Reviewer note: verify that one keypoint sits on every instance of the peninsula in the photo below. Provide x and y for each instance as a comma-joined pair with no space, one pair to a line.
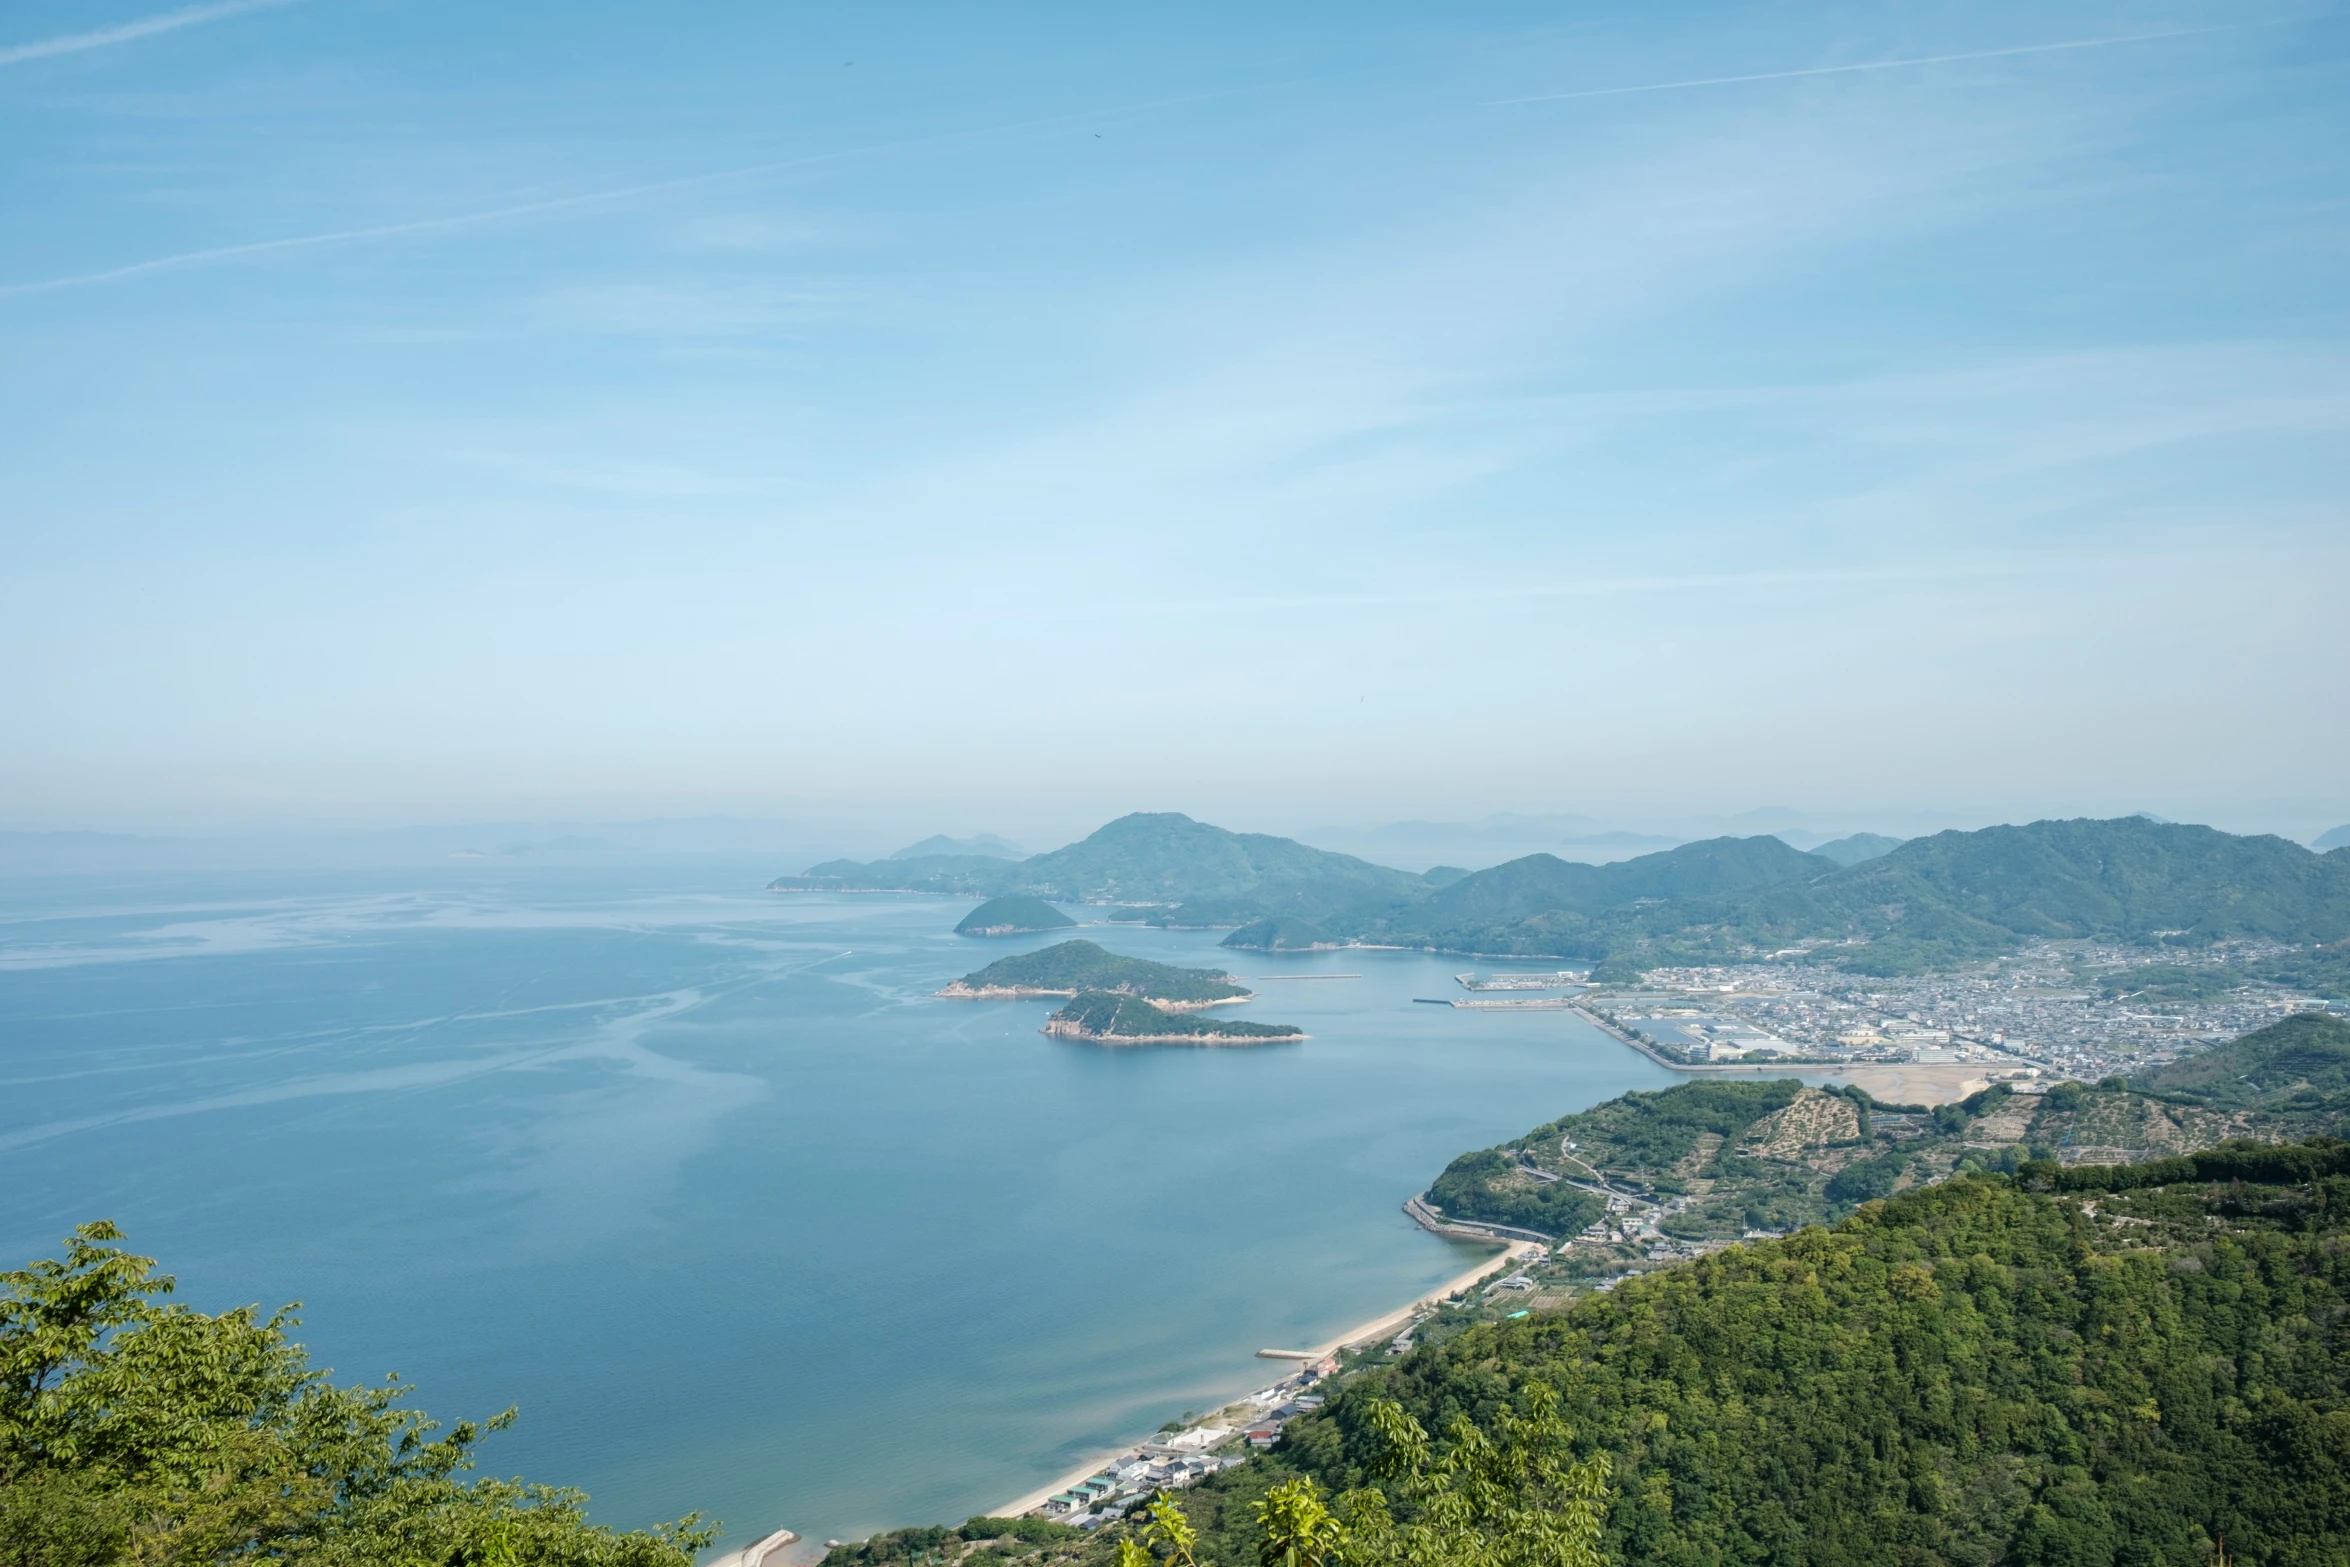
1108,1017
1074,967
1017,915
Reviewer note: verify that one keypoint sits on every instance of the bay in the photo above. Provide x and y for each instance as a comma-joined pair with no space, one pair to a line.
708,1183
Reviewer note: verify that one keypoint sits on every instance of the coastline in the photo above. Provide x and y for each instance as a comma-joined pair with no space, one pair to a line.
1385,1326
958,991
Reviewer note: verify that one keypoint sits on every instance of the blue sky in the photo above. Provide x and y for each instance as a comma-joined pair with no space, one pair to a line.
1005,417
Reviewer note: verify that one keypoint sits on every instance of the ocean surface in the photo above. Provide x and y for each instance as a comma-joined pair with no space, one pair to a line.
707,1182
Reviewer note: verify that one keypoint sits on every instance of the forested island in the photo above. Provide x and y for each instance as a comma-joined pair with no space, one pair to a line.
1072,967
1106,1017
1013,915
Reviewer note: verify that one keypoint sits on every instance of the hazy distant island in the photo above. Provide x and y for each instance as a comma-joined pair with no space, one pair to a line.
1075,967
1016,915
1281,933
1109,1017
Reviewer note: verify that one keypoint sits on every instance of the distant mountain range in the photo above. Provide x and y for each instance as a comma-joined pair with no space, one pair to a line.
1929,902
1952,897
1490,840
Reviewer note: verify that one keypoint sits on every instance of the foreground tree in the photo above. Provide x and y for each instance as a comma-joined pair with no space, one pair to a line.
135,1433
1516,1498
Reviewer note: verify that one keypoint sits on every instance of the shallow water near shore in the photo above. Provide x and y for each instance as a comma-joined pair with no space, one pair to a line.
707,1182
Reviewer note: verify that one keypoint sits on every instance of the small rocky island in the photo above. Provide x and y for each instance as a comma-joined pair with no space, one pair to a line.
1108,1017
1074,967
1013,916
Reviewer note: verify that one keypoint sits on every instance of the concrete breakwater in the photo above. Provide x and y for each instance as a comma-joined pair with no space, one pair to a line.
1428,1217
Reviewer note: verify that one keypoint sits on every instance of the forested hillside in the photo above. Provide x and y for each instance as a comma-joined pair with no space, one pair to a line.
1719,1156
2303,1060
1970,1373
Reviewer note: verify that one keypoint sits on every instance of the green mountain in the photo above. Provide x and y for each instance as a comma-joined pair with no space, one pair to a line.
1860,846
1073,967
1168,857
1017,915
2115,879
1541,884
1542,904
1113,1017
2291,1062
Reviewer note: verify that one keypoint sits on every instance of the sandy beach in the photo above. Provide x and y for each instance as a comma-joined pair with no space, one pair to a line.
1363,1332
1386,1326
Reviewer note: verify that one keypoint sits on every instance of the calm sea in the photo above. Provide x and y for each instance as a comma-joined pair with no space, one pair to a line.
706,1182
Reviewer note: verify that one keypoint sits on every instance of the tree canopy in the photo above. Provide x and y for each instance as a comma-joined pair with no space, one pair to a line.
136,1432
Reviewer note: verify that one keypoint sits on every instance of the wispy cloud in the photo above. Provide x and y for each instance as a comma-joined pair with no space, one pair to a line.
125,32
1890,65
464,220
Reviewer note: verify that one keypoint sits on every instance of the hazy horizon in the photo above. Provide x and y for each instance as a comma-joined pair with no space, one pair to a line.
786,846
920,421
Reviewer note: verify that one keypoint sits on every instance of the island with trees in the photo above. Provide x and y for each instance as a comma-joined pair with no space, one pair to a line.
1014,915
1108,1017
1072,967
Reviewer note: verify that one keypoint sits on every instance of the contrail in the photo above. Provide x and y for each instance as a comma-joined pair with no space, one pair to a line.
1887,65
124,32
261,247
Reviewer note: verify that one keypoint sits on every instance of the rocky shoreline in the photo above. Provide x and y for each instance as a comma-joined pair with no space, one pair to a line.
958,991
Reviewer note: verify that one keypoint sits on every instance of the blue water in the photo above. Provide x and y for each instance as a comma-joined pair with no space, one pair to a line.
707,1183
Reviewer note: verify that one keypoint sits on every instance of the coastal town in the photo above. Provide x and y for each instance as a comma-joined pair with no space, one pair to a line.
2057,1010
